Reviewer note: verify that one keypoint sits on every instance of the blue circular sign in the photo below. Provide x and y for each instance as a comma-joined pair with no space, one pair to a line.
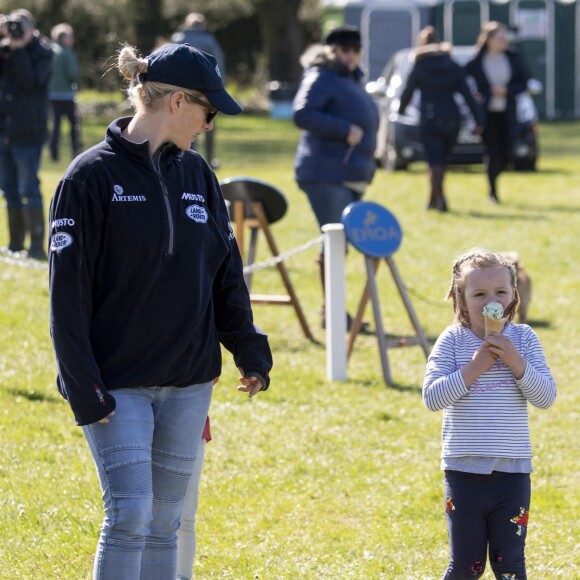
372,229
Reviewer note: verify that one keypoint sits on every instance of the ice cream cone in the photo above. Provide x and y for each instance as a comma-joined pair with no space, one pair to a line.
493,324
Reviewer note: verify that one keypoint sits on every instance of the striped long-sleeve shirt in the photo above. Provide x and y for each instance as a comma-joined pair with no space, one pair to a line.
489,419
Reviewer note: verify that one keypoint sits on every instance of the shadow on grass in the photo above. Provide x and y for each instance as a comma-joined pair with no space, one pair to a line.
554,208
401,387
541,215
403,339
539,323
404,388
546,171
32,395
472,169
386,417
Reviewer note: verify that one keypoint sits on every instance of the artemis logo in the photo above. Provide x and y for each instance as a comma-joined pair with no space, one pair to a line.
118,195
196,213
193,197
60,241
128,197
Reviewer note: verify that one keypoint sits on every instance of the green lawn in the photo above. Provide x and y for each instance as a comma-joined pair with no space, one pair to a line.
316,479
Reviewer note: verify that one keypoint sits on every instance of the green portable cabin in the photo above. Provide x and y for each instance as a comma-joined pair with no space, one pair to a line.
545,31
386,26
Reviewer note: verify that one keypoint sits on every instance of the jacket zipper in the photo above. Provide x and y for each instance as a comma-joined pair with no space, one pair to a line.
157,167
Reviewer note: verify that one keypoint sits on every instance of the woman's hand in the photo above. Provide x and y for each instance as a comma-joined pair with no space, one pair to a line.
106,419
355,135
251,385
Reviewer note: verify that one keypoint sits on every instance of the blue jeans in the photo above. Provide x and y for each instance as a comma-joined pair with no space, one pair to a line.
487,513
144,458
328,200
19,165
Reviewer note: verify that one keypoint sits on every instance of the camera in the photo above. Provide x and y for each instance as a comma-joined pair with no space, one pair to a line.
14,28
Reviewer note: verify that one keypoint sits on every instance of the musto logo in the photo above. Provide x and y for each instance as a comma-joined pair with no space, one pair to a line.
196,213
60,241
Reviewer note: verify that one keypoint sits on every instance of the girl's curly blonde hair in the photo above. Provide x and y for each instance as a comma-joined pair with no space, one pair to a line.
474,259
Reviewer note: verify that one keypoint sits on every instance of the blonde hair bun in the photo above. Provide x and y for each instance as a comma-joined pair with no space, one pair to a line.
130,64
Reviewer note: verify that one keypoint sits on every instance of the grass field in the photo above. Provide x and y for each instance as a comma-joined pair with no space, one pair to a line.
316,479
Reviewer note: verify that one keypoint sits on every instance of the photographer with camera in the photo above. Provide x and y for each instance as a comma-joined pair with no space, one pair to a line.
25,68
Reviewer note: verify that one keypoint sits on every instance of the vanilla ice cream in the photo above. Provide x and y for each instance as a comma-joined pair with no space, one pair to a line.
493,310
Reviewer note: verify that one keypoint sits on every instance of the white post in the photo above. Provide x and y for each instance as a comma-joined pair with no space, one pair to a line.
335,295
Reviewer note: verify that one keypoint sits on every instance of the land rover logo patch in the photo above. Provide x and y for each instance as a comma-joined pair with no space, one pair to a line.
196,213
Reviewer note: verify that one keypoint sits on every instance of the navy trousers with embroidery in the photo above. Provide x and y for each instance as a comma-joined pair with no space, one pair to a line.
487,513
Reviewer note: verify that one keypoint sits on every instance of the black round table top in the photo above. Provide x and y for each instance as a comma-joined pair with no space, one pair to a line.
248,190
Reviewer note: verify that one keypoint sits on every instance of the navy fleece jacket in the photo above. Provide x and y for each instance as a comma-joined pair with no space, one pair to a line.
328,102
145,276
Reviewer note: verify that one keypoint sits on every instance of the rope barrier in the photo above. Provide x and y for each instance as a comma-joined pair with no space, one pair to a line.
281,257
14,260
425,299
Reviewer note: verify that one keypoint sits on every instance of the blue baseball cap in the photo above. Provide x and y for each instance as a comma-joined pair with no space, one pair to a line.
184,66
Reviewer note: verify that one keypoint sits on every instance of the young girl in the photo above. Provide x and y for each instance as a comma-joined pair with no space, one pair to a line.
483,384
186,537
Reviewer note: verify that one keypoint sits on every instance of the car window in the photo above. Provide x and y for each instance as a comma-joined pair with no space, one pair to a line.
398,69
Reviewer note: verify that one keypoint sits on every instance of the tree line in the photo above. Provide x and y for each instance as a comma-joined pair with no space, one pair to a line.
262,39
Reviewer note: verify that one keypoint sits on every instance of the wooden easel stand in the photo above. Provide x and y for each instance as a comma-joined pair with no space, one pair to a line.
371,291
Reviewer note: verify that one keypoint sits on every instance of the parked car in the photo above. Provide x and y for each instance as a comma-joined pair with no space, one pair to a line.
398,139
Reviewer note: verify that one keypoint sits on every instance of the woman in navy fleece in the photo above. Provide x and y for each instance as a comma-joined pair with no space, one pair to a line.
438,78
146,284
335,157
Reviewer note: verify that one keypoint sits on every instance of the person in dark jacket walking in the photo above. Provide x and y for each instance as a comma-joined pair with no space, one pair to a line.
25,66
63,88
439,78
334,160
146,282
500,75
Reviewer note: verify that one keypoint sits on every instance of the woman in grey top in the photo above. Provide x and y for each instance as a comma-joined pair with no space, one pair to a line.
500,75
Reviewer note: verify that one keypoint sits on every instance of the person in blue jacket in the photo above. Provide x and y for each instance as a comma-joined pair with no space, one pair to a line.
500,75
334,160
438,77
146,283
